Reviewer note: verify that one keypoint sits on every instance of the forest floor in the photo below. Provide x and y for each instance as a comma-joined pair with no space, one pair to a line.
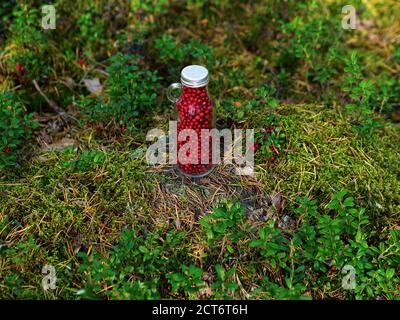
76,192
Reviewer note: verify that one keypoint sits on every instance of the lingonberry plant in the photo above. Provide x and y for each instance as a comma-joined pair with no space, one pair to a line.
284,264
93,28
143,259
270,139
15,128
29,48
306,42
132,92
175,54
238,109
85,161
149,7
361,92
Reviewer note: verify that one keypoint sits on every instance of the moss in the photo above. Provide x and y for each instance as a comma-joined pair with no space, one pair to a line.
62,210
324,155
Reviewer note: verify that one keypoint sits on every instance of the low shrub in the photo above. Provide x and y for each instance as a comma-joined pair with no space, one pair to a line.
15,128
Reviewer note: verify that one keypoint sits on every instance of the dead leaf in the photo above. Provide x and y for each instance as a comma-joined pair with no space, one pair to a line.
93,85
60,145
276,200
69,82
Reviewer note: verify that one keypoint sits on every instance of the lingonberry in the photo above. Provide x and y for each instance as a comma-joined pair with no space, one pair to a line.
19,67
7,149
255,146
272,158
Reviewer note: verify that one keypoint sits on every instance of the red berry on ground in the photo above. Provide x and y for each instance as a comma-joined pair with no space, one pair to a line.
272,158
273,127
123,128
19,67
237,103
7,149
82,61
255,146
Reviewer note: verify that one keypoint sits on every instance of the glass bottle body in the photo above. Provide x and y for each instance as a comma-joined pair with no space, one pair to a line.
195,111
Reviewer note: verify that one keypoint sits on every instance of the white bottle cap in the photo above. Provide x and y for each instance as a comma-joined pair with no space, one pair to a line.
194,76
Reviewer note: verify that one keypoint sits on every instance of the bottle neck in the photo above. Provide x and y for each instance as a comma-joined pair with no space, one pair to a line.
194,90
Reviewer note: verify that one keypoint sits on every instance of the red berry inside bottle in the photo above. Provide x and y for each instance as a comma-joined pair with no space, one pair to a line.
195,112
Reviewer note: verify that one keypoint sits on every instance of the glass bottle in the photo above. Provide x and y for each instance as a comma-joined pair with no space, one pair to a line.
194,110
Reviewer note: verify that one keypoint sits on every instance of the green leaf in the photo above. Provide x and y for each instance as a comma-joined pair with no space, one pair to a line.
348,202
220,272
334,204
143,249
390,273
